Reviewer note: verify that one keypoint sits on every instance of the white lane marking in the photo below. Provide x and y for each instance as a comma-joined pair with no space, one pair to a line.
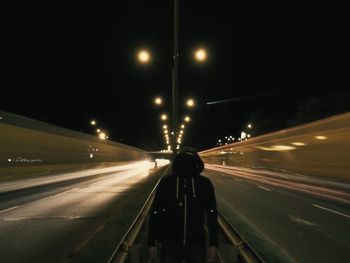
8,209
264,188
331,210
301,221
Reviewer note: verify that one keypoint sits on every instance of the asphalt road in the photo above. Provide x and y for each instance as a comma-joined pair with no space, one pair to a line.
79,219
281,224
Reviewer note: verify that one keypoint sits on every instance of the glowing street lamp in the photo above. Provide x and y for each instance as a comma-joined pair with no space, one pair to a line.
158,101
102,136
190,103
98,130
143,56
182,126
249,126
164,117
93,122
200,55
187,119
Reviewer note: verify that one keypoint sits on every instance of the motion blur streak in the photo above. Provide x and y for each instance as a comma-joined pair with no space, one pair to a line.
304,184
104,190
24,183
320,149
84,217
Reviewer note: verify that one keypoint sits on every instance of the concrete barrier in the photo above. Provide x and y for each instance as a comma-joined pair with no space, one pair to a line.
27,142
320,148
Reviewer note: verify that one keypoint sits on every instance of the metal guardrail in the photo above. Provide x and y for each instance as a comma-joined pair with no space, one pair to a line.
245,252
121,252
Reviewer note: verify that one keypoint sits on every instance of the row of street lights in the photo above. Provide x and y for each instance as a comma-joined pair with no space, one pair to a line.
144,57
189,102
169,136
102,135
244,135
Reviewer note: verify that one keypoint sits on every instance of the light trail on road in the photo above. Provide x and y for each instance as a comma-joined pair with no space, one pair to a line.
85,218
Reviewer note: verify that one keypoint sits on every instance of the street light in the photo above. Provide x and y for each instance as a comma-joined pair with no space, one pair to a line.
98,130
102,136
187,119
93,122
164,117
200,55
190,103
158,101
144,56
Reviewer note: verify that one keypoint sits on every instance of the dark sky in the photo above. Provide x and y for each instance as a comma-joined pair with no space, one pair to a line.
66,63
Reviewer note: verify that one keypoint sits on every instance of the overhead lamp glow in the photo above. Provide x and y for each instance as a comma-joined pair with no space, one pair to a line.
190,103
187,119
164,117
102,136
158,101
144,56
200,55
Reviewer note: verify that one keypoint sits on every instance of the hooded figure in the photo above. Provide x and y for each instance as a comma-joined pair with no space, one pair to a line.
184,203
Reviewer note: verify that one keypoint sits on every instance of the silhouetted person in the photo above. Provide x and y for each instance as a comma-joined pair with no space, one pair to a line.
184,201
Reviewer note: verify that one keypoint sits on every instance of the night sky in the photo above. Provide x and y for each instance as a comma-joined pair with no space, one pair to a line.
67,63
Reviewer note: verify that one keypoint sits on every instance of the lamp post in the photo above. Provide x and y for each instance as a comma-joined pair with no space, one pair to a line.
144,57
175,68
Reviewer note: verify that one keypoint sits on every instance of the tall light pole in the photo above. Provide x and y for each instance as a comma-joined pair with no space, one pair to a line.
175,69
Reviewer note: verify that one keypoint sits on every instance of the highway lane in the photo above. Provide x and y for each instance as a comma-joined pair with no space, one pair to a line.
281,224
80,221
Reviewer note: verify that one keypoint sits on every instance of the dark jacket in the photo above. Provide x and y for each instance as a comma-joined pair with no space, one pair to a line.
184,201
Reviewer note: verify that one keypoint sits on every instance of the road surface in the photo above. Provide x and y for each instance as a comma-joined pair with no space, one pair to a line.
80,219
284,225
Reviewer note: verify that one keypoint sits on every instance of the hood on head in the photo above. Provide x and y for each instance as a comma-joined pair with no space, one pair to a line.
187,163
